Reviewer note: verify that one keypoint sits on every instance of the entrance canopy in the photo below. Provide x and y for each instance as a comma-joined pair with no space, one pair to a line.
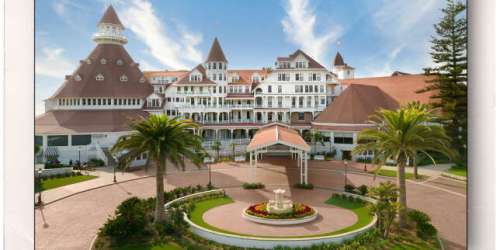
277,134
282,139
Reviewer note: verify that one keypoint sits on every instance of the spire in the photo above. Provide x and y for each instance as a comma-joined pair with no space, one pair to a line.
338,61
216,54
111,17
110,29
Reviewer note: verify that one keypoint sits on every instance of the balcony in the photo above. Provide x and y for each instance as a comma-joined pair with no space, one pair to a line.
195,93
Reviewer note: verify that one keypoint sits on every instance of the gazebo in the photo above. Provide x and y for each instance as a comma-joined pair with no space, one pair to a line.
279,138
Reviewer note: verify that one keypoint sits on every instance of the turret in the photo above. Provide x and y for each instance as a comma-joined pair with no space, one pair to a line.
342,69
216,63
110,29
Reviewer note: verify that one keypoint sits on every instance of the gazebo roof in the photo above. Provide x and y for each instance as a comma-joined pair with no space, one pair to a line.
277,134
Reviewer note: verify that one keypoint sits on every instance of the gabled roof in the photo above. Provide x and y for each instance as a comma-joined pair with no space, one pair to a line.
186,79
355,105
338,61
116,62
216,54
86,121
313,64
277,134
401,87
110,16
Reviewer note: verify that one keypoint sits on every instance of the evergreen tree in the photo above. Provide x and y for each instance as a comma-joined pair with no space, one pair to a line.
449,87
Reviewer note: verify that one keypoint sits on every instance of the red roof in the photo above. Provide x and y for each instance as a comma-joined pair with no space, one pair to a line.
216,54
277,134
338,61
85,121
112,62
110,16
165,73
401,87
187,80
313,64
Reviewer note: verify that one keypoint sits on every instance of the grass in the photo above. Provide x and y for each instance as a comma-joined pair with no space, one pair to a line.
59,182
393,173
460,171
360,209
162,246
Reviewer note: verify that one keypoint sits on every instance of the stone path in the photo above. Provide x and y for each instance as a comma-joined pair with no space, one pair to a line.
72,223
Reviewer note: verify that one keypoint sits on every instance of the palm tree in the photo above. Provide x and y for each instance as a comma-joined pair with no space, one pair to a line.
397,135
216,145
162,139
315,138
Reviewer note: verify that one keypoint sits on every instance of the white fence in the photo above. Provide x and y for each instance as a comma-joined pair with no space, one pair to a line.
55,171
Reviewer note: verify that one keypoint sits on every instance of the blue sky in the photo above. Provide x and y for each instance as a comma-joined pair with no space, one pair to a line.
376,37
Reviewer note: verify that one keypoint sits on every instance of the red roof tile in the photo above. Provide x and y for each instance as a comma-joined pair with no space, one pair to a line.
110,16
216,54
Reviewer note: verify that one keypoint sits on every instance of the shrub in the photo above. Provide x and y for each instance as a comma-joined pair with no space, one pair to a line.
304,186
349,188
362,190
130,220
253,185
94,162
418,216
426,230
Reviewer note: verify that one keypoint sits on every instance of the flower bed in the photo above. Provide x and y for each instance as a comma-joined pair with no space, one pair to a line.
299,211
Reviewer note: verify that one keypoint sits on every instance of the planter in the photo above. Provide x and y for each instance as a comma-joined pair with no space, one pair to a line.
278,222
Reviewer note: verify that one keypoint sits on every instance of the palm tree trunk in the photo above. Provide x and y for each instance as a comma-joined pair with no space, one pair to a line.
415,168
402,192
160,190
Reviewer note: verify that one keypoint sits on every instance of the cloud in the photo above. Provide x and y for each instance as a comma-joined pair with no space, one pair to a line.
70,12
175,48
52,63
300,27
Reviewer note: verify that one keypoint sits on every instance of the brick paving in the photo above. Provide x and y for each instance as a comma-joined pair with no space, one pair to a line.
74,221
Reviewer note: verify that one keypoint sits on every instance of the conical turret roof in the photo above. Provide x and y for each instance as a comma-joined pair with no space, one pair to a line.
216,54
338,61
110,16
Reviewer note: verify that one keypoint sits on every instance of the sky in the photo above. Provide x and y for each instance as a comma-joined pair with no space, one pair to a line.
376,37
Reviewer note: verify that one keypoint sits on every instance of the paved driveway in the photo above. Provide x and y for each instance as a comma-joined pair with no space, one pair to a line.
73,222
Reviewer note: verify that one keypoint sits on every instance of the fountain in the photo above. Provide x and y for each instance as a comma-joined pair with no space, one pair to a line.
280,211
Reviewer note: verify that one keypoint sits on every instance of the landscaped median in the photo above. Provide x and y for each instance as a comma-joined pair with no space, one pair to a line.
56,181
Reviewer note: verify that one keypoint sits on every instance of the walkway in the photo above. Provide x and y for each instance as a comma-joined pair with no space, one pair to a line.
73,222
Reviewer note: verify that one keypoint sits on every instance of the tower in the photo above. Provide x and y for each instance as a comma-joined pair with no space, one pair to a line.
110,29
216,63
342,69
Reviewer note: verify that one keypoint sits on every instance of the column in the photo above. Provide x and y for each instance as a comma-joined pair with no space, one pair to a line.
301,170
306,170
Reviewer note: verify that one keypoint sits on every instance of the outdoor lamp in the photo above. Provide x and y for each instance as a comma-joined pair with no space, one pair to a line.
39,202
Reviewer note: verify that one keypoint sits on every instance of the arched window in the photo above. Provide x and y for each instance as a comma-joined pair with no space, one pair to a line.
142,79
99,77
119,62
78,78
103,61
123,78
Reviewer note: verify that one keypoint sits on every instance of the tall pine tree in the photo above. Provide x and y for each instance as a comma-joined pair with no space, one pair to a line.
449,86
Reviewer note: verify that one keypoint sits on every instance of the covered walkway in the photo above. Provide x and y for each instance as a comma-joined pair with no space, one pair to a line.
279,138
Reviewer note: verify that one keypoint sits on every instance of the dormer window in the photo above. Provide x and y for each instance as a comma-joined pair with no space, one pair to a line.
119,62
142,79
300,64
103,61
88,61
123,78
195,78
99,77
78,78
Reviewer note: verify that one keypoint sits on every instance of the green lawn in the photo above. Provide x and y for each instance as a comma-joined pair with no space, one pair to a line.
393,173
59,182
166,246
361,210
460,171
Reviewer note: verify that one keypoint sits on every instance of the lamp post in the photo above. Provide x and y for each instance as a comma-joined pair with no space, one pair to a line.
365,161
114,173
209,175
345,172
39,182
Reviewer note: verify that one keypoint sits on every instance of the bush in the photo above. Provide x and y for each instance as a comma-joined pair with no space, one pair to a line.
304,186
418,216
426,230
362,190
95,162
349,188
253,185
130,220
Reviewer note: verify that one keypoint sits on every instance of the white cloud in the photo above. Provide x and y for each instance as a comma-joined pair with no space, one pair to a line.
51,62
70,12
175,48
300,27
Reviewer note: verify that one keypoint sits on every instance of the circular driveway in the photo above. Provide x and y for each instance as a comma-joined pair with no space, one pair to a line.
72,223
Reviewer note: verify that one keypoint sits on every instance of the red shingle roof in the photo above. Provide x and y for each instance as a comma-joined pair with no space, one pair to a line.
110,16
85,121
338,61
277,134
105,60
186,79
313,64
355,105
216,54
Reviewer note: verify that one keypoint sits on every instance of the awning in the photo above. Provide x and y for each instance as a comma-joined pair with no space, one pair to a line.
277,134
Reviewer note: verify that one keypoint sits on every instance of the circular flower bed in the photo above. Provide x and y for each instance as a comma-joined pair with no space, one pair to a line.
299,211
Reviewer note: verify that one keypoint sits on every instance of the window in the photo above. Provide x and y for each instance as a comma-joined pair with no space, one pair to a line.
94,102
299,77
343,138
323,101
103,61
321,89
269,89
301,116
38,140
300,64
83,102
142,79
293,102
77,140
78,78
269,101
57,140
98,101
283,77
316,89
280,101
279,89
220,65
99,77
119,62
123,78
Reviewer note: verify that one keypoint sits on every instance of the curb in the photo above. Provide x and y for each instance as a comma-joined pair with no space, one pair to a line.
455,177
